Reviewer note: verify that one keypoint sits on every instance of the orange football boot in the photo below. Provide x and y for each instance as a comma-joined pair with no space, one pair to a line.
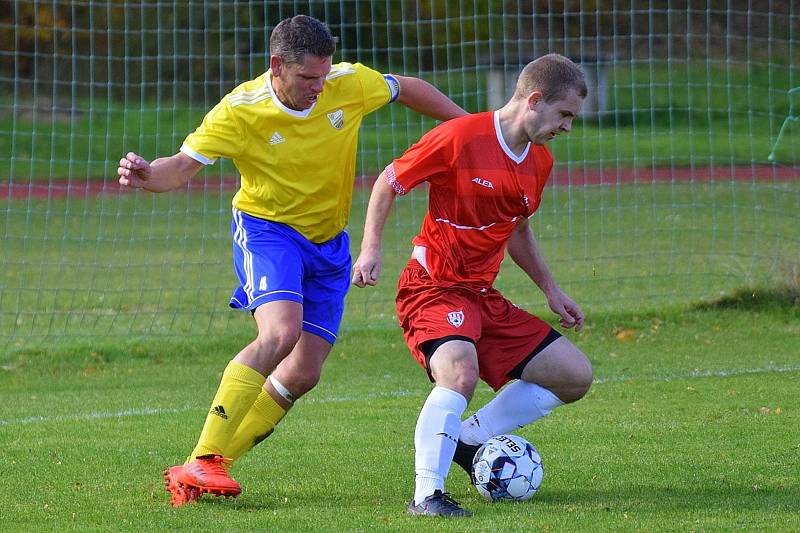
204,475
180,494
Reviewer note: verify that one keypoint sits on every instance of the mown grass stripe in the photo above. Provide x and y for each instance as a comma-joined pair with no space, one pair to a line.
145,411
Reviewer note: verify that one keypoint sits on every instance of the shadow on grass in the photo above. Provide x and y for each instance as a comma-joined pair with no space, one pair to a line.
637,498
732,498
755,299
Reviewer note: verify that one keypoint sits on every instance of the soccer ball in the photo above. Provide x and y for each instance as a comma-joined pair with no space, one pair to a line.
507,467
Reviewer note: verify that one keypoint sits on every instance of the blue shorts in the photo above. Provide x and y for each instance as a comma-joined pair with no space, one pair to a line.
275,262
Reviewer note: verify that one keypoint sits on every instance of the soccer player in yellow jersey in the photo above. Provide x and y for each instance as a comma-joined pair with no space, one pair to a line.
292,134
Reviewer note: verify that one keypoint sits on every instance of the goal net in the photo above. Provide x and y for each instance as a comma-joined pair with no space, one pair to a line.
678,184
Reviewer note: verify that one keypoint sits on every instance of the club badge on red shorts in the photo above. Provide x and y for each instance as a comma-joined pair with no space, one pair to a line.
456,318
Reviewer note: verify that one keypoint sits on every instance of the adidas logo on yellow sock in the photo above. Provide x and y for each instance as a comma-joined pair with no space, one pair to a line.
220,412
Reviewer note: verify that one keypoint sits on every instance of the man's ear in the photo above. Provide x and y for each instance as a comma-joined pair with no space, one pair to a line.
275,65
534,98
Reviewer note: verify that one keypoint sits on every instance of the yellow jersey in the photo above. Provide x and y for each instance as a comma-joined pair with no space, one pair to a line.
297,167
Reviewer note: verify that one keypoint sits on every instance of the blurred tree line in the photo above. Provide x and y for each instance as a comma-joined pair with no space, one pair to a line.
168,50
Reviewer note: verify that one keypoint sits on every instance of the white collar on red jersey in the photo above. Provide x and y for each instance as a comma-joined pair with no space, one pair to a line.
514,157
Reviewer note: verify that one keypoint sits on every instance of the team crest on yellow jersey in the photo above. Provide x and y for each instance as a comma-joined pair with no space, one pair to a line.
337,119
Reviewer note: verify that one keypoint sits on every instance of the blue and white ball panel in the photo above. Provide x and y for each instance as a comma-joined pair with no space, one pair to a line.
275,262
507,467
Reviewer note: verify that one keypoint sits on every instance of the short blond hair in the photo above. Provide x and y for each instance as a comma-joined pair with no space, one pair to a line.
553,75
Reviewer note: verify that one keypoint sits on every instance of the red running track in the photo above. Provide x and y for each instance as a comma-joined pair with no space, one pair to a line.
575,177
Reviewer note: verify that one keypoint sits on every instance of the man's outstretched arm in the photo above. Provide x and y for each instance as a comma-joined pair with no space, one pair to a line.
163,174
422,97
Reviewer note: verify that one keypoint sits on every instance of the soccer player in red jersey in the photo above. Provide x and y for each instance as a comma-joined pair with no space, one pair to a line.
485,174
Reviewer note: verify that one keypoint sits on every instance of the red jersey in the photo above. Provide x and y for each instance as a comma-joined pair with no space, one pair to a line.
478,192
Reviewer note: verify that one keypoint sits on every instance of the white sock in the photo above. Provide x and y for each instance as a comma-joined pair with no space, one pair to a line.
516,406
435,440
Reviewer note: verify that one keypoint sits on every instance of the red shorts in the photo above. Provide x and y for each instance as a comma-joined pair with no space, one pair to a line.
505,336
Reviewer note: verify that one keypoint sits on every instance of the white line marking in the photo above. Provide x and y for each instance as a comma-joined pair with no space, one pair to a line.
702,374
402,393
96,415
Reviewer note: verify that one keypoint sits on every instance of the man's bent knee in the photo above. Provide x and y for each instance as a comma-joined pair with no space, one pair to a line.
561,368
301,370
268,349
579,380
454,365
279,328
279,340
299,380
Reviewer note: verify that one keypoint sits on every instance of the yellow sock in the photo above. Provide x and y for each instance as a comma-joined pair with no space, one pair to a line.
257,425
237,391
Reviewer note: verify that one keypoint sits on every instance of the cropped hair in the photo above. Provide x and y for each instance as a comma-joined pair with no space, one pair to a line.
297,36
553,75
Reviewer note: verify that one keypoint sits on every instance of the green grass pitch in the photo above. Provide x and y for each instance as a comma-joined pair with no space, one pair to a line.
692,424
